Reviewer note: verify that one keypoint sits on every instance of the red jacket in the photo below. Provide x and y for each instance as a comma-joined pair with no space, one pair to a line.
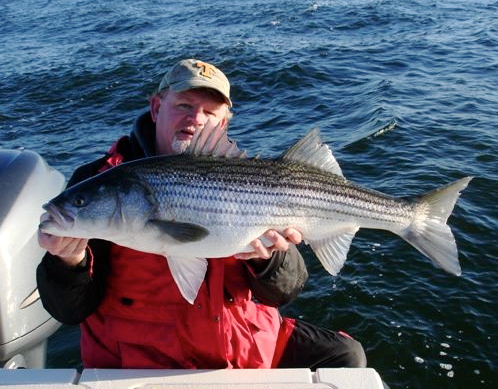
144,322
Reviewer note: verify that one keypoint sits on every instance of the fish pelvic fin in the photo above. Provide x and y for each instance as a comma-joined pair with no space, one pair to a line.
311,151
429,232
333,250
188,274
212,140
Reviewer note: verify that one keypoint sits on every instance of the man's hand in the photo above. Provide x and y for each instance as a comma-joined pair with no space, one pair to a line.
275,242
69,250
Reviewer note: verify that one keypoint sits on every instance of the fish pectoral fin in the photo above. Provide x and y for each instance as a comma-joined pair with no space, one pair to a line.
311,151
181,232
188,274
333,250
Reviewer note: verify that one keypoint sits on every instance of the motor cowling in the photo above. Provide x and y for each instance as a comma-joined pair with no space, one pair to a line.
26,183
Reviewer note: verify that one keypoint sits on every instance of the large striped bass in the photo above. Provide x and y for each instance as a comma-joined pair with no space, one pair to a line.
212,201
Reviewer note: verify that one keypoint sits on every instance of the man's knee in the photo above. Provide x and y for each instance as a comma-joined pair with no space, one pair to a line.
354,354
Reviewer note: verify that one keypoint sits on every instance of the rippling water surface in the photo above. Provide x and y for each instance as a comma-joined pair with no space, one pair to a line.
406,93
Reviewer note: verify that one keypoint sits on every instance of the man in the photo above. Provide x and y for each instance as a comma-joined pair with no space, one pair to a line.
131,312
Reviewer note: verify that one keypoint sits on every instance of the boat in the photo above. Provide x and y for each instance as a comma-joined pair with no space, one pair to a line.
27,182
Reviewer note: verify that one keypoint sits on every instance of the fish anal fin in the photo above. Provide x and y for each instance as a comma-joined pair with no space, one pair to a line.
311,151
188,274
181,232
332,251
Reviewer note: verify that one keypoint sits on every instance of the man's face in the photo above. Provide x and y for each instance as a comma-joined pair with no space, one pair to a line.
178,114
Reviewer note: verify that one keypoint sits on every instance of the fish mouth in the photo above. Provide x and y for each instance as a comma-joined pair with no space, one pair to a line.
62,218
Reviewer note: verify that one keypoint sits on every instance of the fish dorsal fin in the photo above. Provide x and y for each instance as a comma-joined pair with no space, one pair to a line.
212,140
332,251
188,274
311,151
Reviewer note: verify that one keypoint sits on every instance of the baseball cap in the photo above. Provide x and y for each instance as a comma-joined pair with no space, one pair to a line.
192,73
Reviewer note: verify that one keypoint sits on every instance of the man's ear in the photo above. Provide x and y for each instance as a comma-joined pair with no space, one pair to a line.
224,123
154,105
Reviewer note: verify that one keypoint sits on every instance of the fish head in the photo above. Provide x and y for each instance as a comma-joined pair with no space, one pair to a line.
106,206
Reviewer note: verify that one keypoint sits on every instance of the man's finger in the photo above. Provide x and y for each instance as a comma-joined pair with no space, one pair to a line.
271,241
293,235
261,251
279,242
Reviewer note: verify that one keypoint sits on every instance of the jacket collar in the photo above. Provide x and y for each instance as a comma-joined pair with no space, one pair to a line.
143,136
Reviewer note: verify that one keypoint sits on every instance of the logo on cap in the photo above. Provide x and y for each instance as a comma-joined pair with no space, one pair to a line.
207,70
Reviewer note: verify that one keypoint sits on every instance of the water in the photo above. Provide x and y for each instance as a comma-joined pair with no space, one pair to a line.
406,93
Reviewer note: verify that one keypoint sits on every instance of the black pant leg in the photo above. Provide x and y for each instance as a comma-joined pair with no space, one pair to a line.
310,346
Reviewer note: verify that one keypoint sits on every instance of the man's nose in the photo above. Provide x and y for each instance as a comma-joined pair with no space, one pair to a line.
198,117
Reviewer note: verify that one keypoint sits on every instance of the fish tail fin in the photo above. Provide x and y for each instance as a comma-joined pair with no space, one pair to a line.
429,232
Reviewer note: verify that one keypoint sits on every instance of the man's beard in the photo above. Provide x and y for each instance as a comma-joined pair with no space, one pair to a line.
179,146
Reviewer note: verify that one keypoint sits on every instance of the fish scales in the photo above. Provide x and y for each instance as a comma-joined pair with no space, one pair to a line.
267,189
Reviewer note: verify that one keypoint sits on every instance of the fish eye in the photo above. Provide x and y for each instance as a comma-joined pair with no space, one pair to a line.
79,201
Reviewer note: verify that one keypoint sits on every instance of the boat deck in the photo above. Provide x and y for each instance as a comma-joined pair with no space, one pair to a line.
342,378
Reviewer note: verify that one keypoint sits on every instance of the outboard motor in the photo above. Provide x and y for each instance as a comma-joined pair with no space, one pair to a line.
26,183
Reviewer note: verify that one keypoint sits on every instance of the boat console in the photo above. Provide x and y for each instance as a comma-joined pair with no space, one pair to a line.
26,183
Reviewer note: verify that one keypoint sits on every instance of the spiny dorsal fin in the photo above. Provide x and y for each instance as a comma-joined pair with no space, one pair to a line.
311,151
212,140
